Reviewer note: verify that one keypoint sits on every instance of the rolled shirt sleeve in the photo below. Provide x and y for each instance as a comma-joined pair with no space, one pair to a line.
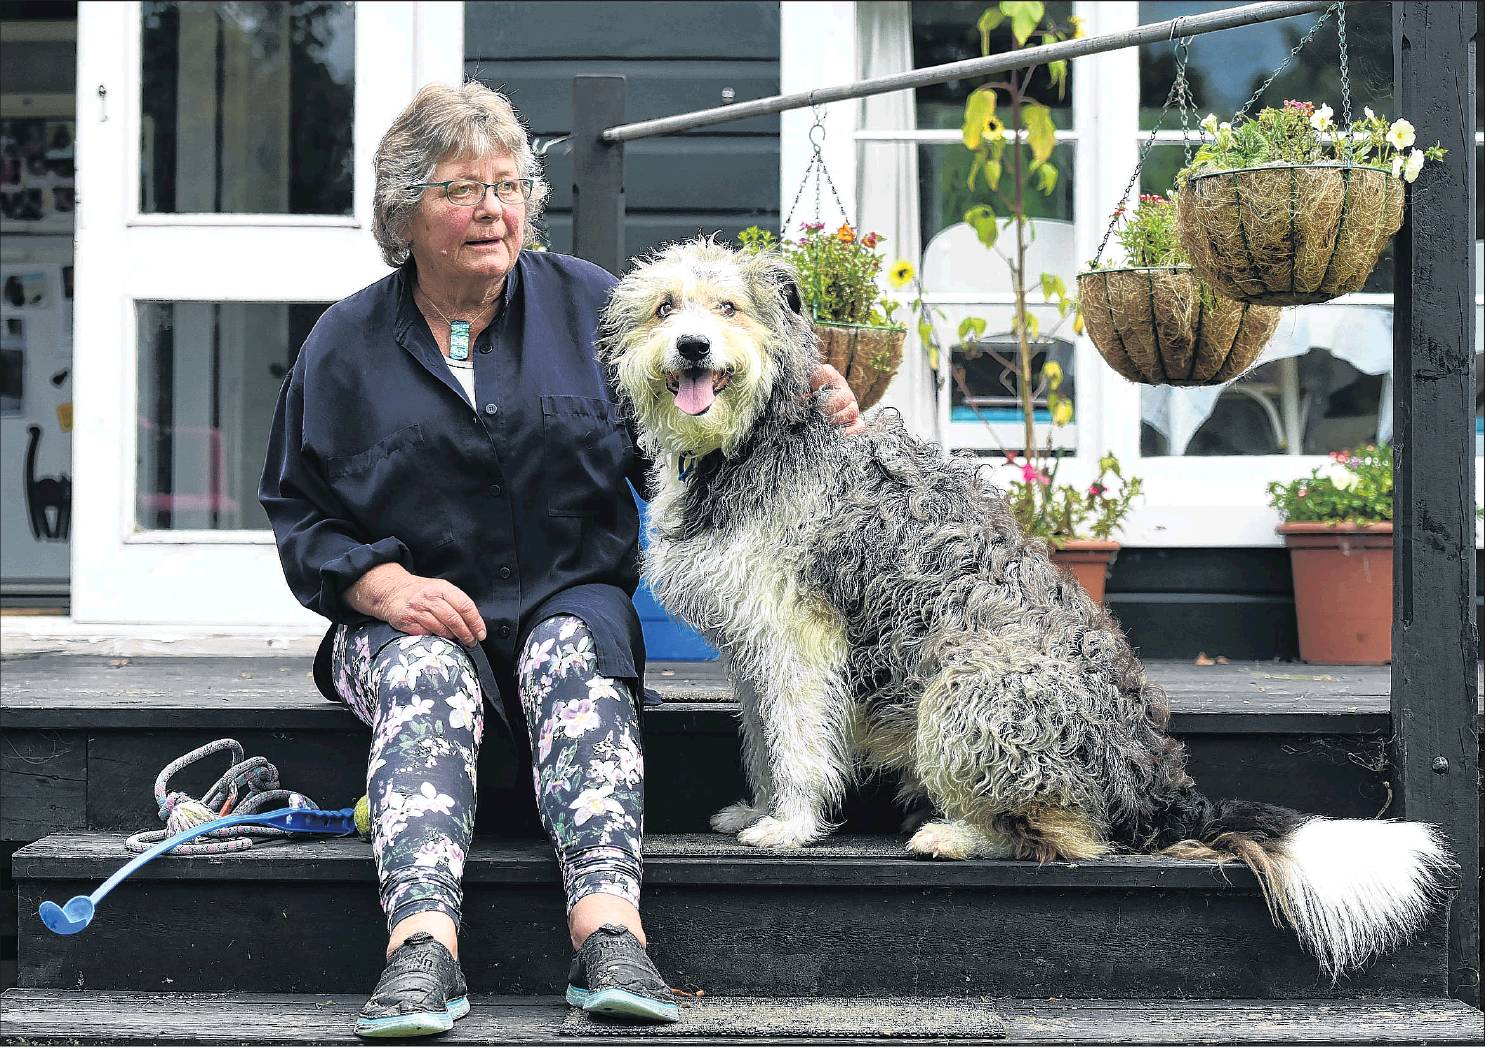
320,548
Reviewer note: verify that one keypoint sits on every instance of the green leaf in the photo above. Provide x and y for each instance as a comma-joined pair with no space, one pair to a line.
1024,15
1047,178
983,220
979,108
926,337
976,163
1041,135
990,18
993,172
972,326
1058,70
1053,287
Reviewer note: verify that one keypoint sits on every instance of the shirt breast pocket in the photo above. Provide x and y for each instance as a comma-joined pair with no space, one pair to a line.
387,488
585,447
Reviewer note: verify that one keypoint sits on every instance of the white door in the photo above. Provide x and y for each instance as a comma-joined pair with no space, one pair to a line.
223,175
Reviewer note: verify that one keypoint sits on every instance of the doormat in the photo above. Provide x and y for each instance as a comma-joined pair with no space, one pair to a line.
898,1018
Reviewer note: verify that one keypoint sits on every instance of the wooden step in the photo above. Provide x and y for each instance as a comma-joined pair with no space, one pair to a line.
854,916
85,737
69,1017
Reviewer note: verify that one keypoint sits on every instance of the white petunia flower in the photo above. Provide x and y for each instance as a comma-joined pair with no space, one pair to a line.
1367,112
1210,123
1343,478
1401,134
1398,167
1321,118
1413,165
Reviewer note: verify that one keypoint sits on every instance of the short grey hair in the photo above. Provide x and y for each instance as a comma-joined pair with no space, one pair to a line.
443,122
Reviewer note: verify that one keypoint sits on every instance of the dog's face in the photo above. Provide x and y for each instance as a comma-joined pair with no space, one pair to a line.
699,338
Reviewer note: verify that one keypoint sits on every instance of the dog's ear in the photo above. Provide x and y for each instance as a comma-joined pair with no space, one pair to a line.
789,290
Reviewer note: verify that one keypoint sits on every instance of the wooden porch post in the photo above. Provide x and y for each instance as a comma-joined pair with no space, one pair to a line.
598,171
1436,647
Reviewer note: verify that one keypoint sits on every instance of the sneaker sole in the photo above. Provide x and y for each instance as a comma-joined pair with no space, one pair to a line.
622,1004
416,1024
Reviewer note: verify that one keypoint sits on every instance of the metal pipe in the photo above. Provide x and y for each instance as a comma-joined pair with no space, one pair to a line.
1185,26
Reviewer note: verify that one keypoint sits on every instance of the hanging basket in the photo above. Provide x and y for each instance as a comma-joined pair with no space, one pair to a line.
1159,326
868,356
1290,234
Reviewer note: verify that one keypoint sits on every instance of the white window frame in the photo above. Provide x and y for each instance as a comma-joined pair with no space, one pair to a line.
122,573
1188,501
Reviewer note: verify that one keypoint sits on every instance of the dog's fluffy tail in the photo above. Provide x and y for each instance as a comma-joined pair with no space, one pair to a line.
1351,888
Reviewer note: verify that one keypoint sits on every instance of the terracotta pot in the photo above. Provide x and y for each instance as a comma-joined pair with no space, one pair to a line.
1089,560
1343,591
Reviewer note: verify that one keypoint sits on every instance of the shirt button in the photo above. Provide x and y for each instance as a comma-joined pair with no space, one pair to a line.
504,631
505,573
496,489
485,348
491,409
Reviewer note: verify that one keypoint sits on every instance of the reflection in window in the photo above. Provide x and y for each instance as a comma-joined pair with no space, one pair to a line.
209,377
1225,68
247,107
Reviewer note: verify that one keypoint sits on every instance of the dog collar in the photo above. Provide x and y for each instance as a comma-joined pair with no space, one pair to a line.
688,464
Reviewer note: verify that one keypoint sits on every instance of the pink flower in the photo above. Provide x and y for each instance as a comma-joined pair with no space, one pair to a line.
1029,473
1301,493
1096,490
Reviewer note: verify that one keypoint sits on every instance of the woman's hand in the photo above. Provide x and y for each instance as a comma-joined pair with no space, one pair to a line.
840,406
416,605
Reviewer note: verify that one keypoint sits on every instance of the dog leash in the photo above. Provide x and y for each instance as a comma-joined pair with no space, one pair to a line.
250,786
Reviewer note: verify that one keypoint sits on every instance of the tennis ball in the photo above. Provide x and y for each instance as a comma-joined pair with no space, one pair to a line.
363,817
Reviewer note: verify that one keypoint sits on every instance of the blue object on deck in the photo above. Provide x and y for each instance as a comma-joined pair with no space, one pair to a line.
77,914
666,640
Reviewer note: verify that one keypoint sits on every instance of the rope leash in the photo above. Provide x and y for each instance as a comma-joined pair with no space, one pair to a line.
250,785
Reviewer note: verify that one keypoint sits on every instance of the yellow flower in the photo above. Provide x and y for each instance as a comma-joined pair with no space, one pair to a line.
845,234
901,275
994,128
1053,372
1062,412
1077,25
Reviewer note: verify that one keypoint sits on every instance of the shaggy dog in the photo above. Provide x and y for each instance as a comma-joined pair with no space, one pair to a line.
880,612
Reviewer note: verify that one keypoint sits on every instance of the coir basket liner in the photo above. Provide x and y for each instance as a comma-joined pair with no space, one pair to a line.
1289,234
1157,325
868,357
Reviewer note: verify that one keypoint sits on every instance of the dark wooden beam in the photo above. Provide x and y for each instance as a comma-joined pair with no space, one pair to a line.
1436,646
598,171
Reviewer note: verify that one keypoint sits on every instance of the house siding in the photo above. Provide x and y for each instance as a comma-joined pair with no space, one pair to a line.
675,57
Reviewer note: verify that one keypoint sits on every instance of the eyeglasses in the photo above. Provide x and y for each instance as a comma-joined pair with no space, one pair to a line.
467,192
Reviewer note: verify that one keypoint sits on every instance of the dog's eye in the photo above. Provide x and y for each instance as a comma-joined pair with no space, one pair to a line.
727,308
664,309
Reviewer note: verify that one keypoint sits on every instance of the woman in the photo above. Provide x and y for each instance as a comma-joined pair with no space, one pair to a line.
446,482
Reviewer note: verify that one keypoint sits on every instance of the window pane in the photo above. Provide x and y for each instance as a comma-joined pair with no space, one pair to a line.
209,377
945,196
247,108
945,32
1226,68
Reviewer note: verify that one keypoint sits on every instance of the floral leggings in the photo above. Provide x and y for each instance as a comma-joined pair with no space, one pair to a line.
421,698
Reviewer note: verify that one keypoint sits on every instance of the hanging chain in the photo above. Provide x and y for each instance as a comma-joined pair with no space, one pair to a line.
1179,89
1184,96
1341,36
817,167
1336,7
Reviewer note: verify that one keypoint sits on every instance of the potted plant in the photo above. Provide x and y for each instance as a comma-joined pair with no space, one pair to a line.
1155,321
853,317
1338,525
1077,523
1283,209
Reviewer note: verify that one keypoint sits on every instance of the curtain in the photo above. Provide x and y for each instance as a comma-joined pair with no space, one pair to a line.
887,187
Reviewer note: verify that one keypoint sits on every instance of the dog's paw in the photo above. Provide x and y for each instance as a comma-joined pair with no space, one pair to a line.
770,832
950,840
736,817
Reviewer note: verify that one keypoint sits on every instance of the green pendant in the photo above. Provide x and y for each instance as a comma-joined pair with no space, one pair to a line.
459,340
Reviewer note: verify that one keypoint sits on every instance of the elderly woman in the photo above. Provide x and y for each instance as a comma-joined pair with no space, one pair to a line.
446,482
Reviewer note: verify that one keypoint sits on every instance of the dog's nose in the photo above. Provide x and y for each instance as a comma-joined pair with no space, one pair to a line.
692,347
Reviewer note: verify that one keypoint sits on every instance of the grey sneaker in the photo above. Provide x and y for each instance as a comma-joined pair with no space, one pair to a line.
612,976
421,992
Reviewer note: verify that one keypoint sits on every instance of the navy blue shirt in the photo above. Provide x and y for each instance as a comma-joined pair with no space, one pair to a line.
376,456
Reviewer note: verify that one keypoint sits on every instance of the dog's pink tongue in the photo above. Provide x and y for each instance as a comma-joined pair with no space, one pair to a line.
694,393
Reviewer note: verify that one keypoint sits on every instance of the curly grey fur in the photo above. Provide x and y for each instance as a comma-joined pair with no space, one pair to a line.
882,612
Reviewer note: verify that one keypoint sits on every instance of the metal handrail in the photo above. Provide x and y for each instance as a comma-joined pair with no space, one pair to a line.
1183,26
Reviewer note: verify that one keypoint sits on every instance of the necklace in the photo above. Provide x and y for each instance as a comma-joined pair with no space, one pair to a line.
459,331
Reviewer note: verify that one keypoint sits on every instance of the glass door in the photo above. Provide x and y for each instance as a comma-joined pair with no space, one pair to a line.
224,202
